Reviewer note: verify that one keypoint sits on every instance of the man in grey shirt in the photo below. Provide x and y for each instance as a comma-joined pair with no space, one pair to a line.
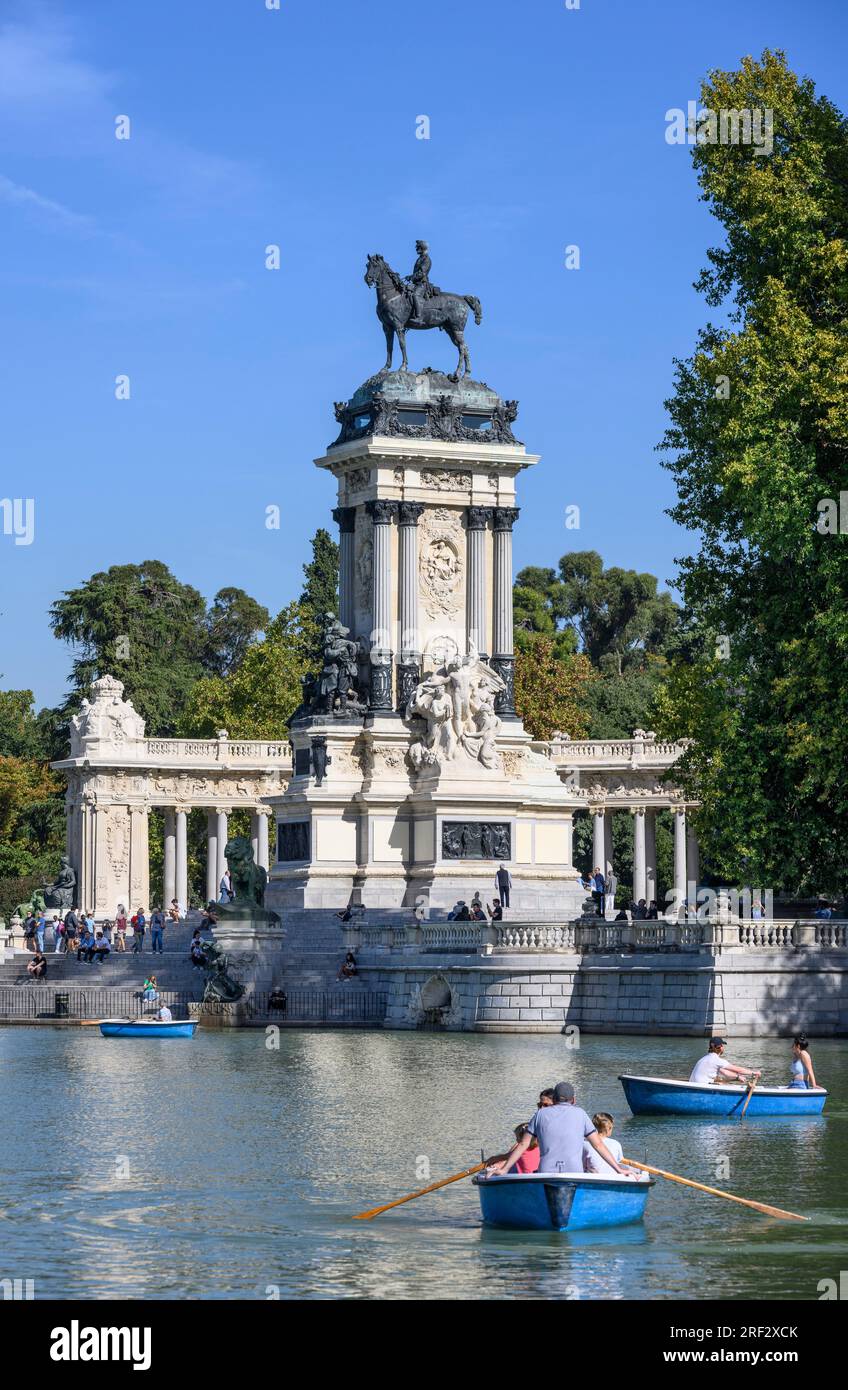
560,1129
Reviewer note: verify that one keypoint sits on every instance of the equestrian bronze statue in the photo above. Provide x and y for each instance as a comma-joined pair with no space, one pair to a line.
415,303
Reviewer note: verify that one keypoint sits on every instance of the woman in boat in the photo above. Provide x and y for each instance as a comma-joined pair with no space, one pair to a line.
803,1076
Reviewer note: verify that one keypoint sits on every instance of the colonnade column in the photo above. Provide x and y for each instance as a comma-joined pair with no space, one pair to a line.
693,860
640,889
409,664
262,837
680,856
599,840
221,838
381,512
476,624
503,659
169,878
212,856
651,856
181,868
345,517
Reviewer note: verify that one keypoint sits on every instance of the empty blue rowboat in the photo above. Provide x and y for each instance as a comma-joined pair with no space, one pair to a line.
561,1201
147,1028
659,1095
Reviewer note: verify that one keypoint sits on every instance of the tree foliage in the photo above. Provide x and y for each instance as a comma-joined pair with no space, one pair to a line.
258,699
758,437
141,624
321,590
549,691
617,618
234,622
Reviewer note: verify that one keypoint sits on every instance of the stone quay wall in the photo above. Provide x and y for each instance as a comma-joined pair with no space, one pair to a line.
747,980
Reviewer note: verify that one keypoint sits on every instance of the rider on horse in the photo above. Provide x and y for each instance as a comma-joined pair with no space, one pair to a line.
419,281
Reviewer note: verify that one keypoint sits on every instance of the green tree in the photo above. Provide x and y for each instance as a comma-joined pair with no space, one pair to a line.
549,690
233,623
616,617
139,623
758,438
321,589
258,699
619,615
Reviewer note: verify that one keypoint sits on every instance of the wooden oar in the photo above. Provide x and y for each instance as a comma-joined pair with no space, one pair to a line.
375,1211
748,1097
716,1192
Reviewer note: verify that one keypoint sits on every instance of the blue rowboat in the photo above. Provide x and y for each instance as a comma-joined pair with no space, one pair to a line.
561,1201
659,1095
147,1028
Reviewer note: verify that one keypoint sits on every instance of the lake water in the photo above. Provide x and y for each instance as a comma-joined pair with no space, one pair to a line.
220,1169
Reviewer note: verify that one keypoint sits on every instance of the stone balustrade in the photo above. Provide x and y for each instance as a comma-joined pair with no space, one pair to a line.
598,937
221,750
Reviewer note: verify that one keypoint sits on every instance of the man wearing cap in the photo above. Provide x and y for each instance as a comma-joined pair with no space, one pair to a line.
712,1067
560,1129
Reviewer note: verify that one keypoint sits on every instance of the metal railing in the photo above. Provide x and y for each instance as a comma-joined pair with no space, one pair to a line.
311,1006
33,1000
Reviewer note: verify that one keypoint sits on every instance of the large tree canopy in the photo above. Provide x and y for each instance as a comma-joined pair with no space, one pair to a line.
617,618
549,690
141,624
258,699
758,438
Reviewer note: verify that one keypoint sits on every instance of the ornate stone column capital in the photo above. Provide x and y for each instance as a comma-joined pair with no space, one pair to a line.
477,517
381,510
505,517
345,519
409,512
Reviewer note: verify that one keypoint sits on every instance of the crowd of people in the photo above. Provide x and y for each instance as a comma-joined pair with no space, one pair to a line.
78,934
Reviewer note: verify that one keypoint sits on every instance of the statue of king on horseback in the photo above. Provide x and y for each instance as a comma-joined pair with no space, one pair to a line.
416,303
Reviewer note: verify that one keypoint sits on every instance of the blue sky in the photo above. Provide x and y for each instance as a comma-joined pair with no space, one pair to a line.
297,127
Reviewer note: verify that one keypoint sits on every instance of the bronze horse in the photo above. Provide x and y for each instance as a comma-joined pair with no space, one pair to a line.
442,310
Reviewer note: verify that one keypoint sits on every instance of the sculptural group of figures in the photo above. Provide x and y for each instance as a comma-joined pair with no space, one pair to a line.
458,706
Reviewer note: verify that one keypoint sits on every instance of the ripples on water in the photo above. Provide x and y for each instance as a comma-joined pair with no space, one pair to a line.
245,1166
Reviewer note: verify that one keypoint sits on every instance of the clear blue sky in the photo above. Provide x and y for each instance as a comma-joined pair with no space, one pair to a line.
297,127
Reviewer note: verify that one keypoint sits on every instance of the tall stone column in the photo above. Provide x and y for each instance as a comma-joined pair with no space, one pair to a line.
607,861
181,888
381,511
346,520
680,855
139,875
476,617
262,837
503,659
221,837
640,889
409,665
169,867
693,860
212,879
651,856
599,844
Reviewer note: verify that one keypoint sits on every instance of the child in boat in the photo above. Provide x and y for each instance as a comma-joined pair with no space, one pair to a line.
592,1161
529,1160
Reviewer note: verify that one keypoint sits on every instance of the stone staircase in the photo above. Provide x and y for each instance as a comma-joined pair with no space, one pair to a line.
173,968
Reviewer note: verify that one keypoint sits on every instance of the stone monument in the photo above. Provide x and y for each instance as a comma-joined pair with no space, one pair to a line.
413,775
246,938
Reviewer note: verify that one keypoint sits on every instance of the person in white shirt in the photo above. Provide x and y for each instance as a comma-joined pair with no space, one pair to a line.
592,1161
164,1015
713,1067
